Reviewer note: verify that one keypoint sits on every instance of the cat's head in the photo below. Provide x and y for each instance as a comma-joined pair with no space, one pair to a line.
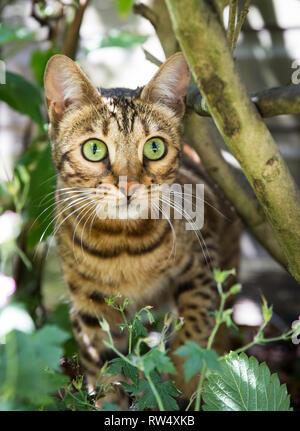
115,144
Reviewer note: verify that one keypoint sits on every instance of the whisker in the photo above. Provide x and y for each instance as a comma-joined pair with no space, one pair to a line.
197,197
63,221
171,225
82,232
194,228
85,211
69,206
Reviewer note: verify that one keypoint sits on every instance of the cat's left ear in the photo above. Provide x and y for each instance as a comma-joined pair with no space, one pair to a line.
169,84
65,85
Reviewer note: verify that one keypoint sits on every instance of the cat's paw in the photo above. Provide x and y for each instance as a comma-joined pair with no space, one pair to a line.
116,396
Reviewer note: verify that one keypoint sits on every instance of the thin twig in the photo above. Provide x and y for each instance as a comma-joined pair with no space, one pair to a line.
150,57
240,22
232,21
145,11
71,40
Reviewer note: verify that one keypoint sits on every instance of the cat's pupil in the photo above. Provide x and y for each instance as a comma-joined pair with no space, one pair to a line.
154,146
94,148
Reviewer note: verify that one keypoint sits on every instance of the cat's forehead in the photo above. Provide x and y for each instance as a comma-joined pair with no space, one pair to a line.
120,117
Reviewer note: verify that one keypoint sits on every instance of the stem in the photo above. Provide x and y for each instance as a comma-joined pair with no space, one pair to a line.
200,385
258,340
231,22
209,345
240,22
130,340
156,394
217,325
191,401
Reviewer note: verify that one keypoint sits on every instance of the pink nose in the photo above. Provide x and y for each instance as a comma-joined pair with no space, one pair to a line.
128,187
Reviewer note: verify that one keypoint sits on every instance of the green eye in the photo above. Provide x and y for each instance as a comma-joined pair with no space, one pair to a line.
94,150
155,149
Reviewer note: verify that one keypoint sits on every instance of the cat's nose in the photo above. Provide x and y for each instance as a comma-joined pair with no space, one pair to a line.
128,188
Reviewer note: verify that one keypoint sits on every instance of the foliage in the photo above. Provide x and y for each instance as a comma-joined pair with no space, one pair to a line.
243,384
17,92
196,358
14,34
33,346
124,6
30,372
29,368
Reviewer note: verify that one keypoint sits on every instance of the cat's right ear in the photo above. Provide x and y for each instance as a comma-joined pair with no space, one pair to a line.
66,84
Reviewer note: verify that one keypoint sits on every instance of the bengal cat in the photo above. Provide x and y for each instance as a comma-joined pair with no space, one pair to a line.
109,147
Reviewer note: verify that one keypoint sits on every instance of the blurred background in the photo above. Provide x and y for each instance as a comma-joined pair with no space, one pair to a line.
110,50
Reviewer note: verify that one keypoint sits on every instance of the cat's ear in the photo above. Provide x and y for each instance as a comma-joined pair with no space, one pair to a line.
65,84
169,84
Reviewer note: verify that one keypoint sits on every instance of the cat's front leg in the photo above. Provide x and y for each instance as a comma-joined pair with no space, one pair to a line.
196,298
94,353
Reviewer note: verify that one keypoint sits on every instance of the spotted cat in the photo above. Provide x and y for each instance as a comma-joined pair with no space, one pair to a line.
114,149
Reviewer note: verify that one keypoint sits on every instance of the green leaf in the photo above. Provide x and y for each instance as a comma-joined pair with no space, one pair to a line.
61,318
39,208
118,364
166,390
12,34
22,96
159,360
124,6
221,276
139,330
196,356
29,365
244,385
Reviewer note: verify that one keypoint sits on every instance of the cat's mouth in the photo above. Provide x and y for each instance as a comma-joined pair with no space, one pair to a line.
126,208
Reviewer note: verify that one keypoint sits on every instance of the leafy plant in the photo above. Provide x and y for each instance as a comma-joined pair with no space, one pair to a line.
29,368
243,384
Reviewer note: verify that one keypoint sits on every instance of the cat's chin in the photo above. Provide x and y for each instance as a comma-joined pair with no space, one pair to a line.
123,212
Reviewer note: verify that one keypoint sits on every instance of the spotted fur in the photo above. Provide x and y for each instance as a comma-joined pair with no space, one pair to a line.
131,258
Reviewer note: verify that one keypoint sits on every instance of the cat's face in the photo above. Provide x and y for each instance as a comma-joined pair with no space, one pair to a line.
115,147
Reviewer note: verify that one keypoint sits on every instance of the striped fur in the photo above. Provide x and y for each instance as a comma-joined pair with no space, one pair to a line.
130,258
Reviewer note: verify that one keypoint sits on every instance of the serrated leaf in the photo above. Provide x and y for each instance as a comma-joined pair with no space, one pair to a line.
159,360
166,390
28,365
139,330
244,385
196,356
118,364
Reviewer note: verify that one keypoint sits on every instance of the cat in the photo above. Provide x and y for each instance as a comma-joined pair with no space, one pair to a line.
111,148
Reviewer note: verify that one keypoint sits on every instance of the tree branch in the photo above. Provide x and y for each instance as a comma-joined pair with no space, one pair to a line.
199,136
206,49
71,39
271,102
